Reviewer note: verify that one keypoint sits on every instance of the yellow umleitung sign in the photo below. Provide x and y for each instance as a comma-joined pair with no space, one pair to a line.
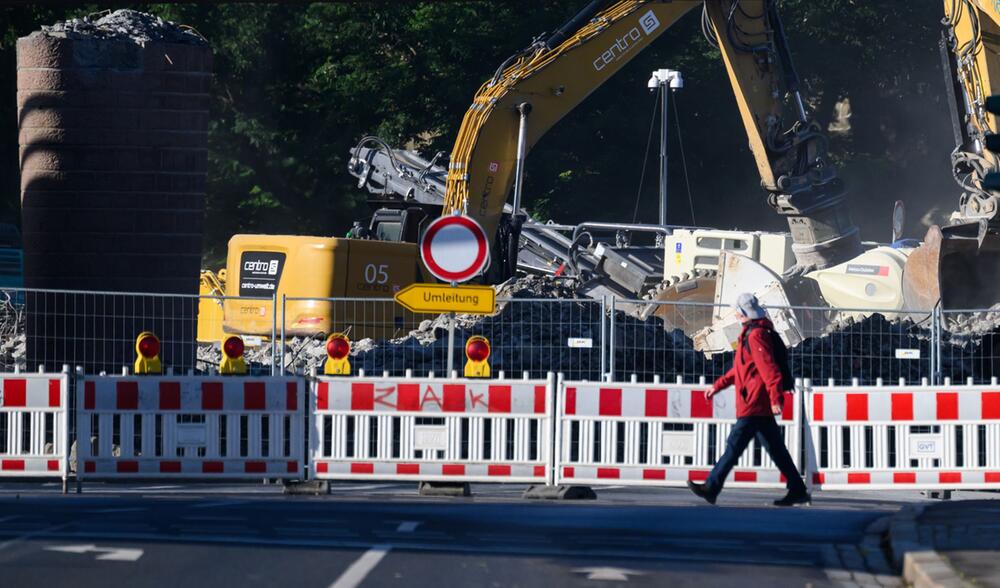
445,298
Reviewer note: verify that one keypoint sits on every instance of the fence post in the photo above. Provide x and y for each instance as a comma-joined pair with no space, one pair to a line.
451,344
611,343
604,335
274,329
936,345
281,352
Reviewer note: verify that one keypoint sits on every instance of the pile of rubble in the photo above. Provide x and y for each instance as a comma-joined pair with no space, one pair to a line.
526,324
124,25
12,341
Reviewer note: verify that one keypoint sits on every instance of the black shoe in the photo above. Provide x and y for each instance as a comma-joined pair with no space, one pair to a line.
793,498
702,491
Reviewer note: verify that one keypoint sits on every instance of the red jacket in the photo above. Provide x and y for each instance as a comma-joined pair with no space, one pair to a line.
755,372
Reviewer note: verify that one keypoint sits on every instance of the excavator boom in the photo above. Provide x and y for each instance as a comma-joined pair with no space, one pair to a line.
958,265
536,87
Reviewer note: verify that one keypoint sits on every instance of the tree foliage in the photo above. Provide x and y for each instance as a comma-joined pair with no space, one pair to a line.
296,85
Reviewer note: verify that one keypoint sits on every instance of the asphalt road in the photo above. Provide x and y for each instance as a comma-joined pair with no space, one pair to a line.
386,535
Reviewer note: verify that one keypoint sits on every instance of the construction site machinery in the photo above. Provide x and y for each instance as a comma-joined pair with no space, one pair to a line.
533,89
958,265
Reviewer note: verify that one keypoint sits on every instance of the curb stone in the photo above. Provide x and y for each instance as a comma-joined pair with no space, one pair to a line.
873,547
922,566
927,569
903,535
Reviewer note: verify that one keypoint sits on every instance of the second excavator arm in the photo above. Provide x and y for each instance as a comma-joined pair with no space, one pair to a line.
970,47
958,264
536,87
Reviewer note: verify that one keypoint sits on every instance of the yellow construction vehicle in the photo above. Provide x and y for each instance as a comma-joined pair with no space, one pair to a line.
958,265
212,287
529,93
533,89
303,273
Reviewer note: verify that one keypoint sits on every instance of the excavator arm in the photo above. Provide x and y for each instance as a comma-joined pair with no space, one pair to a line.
970,47
958,265
536,87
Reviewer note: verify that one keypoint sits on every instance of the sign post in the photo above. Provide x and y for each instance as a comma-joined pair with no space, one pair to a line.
454,249
450,369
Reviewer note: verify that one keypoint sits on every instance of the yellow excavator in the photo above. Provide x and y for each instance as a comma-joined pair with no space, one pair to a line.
958,265
528,94
533,89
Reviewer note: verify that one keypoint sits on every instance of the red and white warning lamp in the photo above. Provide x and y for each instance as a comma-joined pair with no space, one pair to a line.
477,352
147,354
232,356
338,351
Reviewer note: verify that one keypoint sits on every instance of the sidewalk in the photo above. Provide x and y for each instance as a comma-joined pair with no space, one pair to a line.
948,543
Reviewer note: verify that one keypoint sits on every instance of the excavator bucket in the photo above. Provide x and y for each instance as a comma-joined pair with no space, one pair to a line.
678,312
958,266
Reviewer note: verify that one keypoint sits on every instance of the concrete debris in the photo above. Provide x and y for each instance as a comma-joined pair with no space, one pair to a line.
124,25
969,326
13,346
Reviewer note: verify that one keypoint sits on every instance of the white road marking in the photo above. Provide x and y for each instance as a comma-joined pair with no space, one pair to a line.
610,574
10,518
408,526
213,518
111,510
358,570
107,553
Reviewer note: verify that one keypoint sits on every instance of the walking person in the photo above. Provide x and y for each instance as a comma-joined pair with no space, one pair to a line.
762,377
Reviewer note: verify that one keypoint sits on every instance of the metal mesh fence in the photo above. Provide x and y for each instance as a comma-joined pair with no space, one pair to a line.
582,338
538,336
969,346
661,344
97,331
673,341
526,335
384,336
861,345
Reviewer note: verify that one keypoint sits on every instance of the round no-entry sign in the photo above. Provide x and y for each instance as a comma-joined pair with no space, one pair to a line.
454,248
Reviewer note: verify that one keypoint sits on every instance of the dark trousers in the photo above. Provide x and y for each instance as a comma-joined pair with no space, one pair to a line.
769,435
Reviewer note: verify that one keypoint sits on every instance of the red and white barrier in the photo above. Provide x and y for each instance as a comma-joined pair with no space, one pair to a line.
190,427
431,429
657,435
903,437
34,433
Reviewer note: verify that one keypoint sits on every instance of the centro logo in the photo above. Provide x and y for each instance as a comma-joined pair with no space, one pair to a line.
626,42
261,267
